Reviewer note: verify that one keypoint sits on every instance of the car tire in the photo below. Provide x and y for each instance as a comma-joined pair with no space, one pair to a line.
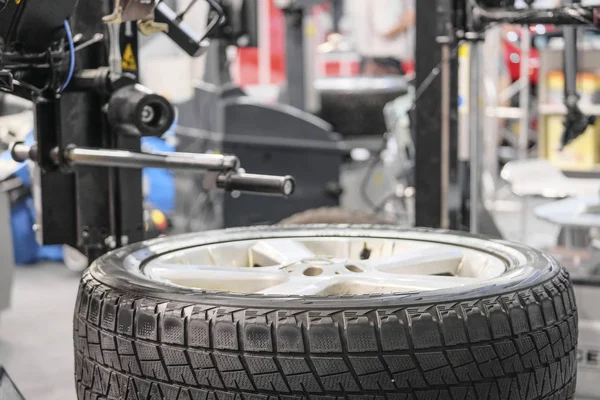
136,338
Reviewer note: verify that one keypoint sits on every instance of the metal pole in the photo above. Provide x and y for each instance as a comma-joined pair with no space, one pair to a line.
216,70
491,73
295,58
569,237
312,99
524,121
445,131
476,142
524,95
570,62
129,159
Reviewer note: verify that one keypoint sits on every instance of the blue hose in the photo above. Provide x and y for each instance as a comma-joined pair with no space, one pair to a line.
71,55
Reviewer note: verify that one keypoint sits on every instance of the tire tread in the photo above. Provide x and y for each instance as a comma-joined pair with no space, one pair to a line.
518,345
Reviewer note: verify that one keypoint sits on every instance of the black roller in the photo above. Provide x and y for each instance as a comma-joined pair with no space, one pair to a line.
264,184
137,106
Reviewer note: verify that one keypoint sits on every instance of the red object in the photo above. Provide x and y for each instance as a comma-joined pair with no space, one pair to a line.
512,55
333,68
408,67
249,60
512,58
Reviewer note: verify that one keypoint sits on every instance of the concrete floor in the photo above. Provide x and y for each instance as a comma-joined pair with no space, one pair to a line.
36,332
36,337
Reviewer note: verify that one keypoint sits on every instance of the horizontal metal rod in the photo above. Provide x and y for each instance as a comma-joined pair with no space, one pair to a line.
229,178
504,112
130,159
568,15
214,162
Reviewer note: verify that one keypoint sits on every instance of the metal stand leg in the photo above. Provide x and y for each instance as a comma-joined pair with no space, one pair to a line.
524,213
491,73
445,131
569,237
524,100
217,66
476,143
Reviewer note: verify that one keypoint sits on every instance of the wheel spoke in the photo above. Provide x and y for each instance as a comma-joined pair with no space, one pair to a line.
279,251
428,261
386,283
210,277
297,285
357,285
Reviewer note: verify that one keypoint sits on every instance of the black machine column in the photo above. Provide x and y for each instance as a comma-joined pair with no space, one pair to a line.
79,121
436,182
103,205
295,69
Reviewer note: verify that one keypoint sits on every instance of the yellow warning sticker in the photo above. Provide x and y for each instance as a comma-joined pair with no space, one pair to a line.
128,62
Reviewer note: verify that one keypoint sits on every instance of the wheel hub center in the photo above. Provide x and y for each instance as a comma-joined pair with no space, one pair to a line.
323,266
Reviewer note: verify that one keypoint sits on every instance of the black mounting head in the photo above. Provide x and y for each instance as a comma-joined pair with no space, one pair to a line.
33,25
576,123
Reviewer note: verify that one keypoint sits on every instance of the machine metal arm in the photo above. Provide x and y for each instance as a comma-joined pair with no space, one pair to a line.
230,177
576,123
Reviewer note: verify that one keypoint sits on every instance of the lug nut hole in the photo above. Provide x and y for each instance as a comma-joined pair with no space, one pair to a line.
313,271
354,268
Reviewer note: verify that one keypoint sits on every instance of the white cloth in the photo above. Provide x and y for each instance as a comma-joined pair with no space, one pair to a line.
371,19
